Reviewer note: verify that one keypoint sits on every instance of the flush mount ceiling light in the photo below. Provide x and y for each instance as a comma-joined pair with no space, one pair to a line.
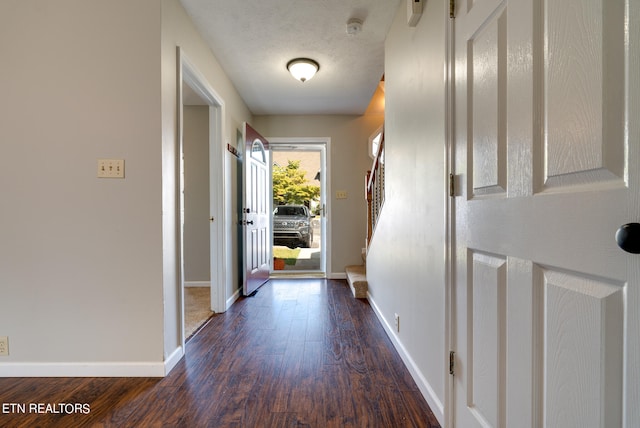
303,69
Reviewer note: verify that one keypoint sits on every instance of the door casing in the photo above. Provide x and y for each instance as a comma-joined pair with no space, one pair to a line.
188,73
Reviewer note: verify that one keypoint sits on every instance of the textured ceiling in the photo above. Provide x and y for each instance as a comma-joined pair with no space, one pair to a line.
254,40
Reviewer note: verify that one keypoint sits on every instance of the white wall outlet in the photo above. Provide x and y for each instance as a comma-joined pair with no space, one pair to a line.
110,168
4,346
396,318
341,194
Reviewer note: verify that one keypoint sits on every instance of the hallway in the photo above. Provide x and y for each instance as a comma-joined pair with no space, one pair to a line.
298,353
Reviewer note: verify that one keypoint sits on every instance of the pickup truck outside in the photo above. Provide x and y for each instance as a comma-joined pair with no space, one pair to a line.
292,226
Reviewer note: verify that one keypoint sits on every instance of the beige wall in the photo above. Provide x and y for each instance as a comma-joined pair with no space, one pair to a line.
80,257
406,262
89,277
196,194
349,163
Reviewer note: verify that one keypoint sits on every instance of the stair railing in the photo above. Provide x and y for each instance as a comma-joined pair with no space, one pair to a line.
374,187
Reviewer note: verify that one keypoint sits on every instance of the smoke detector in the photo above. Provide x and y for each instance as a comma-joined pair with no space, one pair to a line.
354,26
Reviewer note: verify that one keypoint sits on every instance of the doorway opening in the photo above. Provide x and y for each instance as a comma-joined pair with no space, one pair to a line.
196,241
299,215
200,179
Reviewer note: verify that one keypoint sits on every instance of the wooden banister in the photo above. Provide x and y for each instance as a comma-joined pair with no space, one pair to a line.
374,190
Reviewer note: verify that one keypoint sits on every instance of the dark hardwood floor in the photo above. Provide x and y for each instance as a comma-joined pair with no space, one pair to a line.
299,353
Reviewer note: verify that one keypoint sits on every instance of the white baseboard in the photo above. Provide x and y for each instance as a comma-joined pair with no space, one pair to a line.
148,369
172,360
437,407
101,369
337,275
197,284
231,300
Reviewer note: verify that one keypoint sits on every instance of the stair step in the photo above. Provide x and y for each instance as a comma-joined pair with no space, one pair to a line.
357,279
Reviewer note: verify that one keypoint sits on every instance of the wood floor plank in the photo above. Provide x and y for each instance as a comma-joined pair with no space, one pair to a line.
337,397
258,405
416,410
300,353
384,358
285,383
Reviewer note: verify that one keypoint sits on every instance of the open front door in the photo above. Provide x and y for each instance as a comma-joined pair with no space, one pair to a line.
255,210
546,306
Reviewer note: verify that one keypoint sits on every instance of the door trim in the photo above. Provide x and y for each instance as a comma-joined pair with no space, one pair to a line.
449,340
449,219
188,73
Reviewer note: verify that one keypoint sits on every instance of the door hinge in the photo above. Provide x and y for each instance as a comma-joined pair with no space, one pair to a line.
452,185
452,9
452,361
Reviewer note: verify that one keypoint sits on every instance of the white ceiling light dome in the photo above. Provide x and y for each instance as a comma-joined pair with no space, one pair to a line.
303,69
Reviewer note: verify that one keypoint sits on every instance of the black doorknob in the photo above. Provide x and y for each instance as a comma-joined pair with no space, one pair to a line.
628,237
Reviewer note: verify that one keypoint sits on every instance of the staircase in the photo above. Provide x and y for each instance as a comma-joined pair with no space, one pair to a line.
357,278
374,191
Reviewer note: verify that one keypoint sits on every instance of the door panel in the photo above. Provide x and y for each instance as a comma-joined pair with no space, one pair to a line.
256,222
583,348
584,91
486,309
545,304
487,51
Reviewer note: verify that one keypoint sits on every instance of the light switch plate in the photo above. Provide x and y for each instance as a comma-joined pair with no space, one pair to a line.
341,194
110,168
4,346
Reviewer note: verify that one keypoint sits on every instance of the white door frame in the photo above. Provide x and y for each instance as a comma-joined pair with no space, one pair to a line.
326,172
189,74
449,210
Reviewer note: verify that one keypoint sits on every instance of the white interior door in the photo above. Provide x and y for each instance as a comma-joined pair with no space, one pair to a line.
256,210
545,305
